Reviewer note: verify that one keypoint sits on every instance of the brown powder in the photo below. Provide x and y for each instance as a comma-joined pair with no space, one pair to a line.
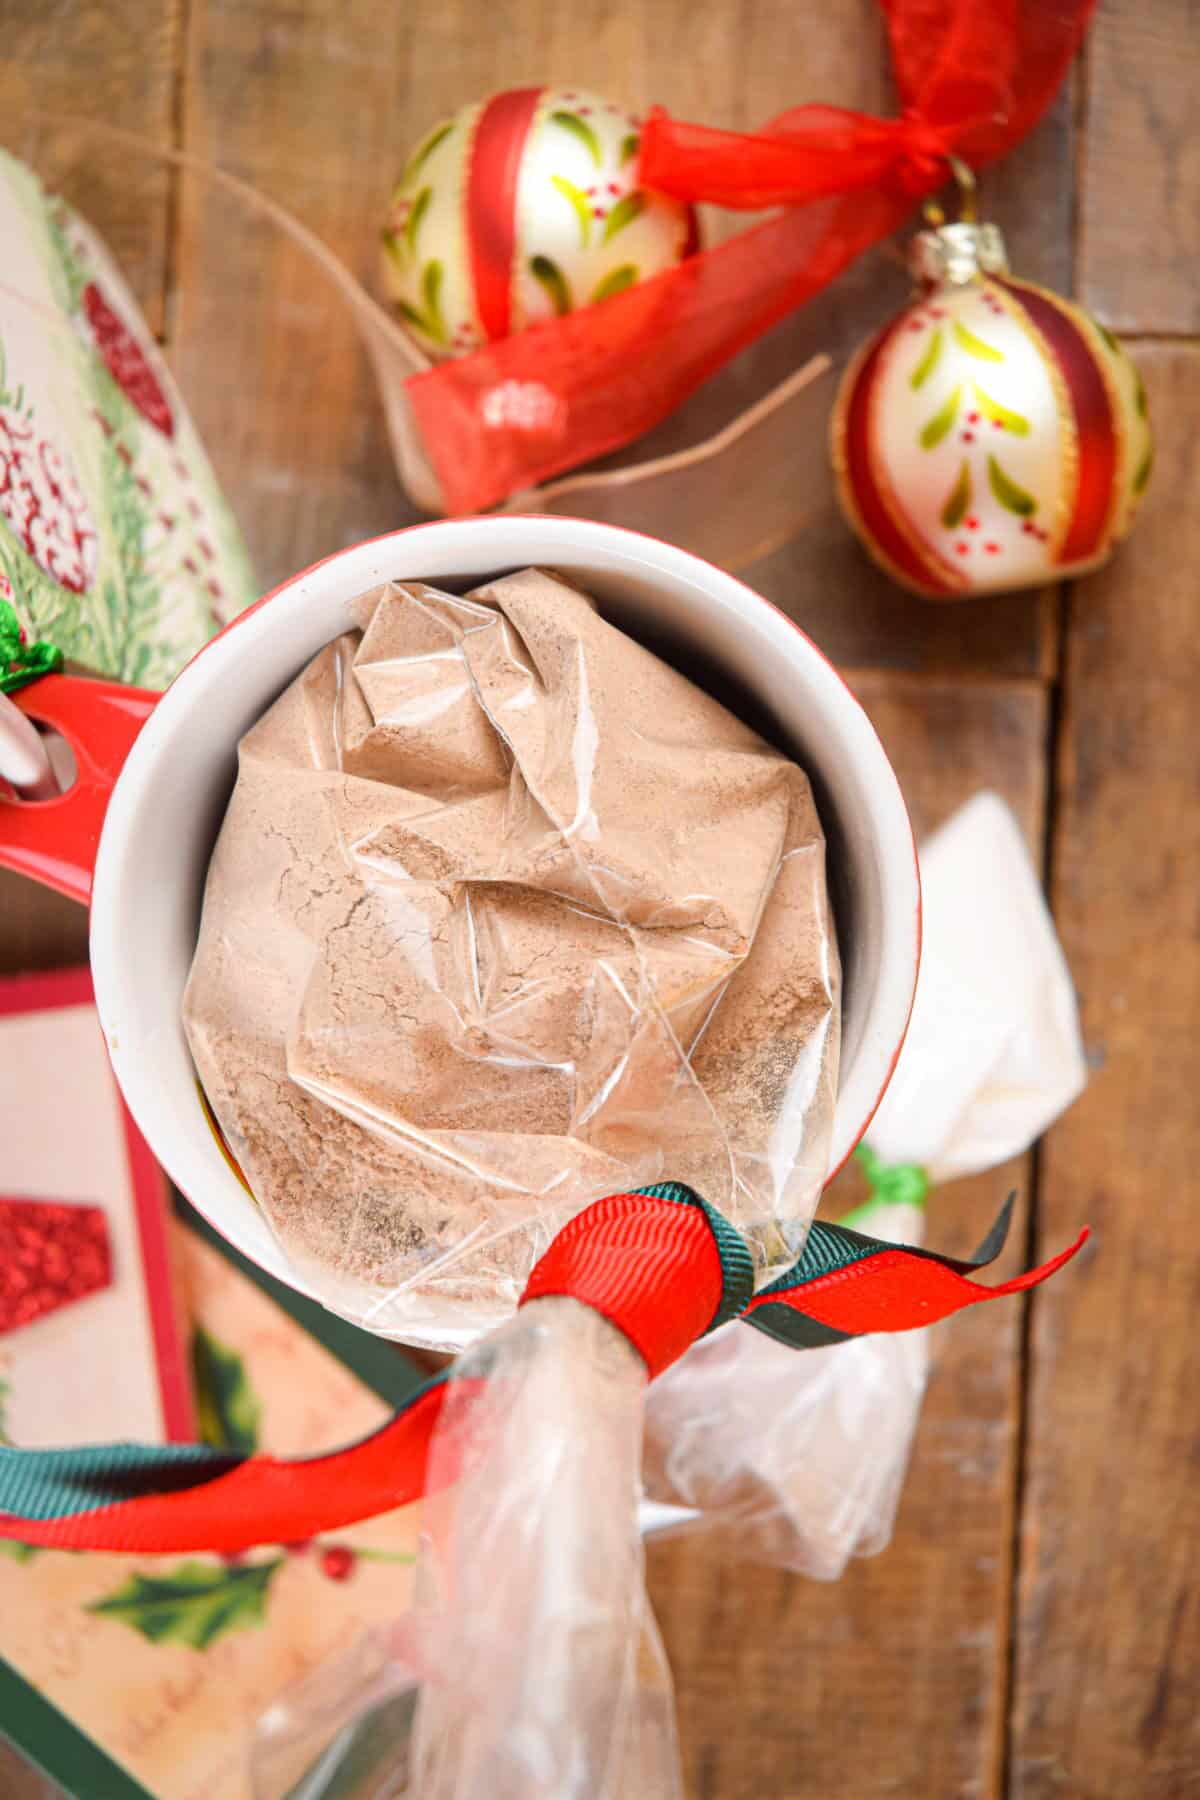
506,914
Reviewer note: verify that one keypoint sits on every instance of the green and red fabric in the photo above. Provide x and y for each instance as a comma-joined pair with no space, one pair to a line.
661,1264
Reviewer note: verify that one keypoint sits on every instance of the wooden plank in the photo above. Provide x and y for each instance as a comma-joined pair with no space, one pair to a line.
114,62
1139,222
892,1681
318,103
1109,1639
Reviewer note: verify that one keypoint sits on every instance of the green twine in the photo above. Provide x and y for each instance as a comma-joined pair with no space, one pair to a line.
21,663
896,1184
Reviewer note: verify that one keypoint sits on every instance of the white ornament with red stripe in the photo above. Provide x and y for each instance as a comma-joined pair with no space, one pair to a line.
520,209
993,436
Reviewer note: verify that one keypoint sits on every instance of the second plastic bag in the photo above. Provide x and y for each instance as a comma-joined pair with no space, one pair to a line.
804,1465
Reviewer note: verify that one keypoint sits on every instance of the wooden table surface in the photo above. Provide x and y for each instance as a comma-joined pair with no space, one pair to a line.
1034,1629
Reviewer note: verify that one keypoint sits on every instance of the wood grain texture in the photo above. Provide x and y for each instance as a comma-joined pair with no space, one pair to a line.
1108,1673
892,1681
1139,236
115,62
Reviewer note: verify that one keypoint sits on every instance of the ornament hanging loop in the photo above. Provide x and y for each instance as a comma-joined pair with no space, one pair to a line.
960,251
964,177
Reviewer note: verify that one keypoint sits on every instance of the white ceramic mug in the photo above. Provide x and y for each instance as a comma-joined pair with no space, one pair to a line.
155,773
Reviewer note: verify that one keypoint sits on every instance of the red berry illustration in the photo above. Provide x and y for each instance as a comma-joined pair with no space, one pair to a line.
127,361
991,548
972,524
338,1562
962,548
44,504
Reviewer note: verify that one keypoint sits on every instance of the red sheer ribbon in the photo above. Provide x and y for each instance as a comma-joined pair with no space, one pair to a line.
973,77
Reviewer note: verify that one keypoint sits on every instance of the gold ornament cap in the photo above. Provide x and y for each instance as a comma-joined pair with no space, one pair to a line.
958,253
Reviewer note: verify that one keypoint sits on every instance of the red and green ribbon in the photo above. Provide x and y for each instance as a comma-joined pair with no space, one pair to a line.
661,1264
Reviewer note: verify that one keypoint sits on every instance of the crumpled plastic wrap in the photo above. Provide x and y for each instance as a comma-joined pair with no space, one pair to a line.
532,1650
506,915
802,1457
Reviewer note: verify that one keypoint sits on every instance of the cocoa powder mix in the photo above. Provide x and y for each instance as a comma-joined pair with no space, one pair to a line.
506,914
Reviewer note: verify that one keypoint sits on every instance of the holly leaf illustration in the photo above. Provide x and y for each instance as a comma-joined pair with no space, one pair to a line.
579,200
623,213
1012,497
393,248
1143,474
420,207
195,1604
928,362
423,152
582,130
21,1553
228,1409
1140,395
1003,416
975,346
615,282
431,293
959,499
943,419
553,280
631,143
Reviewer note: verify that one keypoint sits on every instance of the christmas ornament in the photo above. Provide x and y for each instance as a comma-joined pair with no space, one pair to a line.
520,209
993,436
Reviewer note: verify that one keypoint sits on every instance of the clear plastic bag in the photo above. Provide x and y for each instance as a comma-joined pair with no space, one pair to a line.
506,915
802,1458
541,1674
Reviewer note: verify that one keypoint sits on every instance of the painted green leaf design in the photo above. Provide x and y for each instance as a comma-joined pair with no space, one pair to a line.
631,143
431,293
1015,422
414,318
554,282
1113,343
393,250
1140,396
1012,497
615,282
581,203
943,419
958,500
623,213
975,346
420,207
195,1604
227,1408
424,151
21,1553
1143,474
928,362
582,130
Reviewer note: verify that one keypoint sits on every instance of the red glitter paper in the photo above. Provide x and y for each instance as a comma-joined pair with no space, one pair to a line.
51,1254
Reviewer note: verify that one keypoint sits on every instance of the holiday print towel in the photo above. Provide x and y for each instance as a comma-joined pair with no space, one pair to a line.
115,542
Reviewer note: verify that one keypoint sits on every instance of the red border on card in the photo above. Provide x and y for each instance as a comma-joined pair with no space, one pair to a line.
50,992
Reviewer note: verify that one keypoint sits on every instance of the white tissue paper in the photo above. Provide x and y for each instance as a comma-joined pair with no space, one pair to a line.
804,1455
